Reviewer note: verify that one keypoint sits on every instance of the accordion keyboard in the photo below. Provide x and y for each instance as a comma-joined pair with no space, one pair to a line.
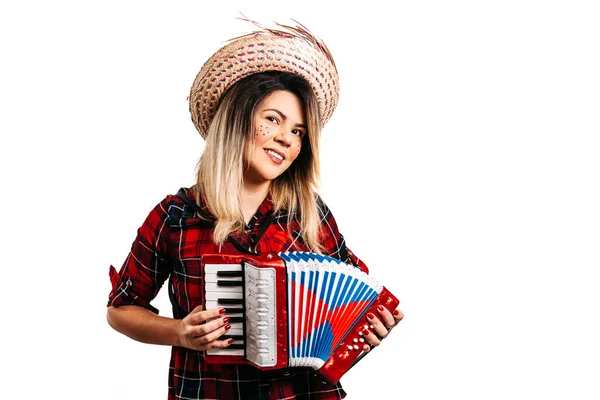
224,288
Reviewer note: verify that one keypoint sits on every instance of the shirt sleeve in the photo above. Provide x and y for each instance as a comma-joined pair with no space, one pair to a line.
333,241
147,265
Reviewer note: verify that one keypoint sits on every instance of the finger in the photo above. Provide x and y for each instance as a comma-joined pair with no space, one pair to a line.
377,325
370,337
198,315
197,309
386,316
398,315
213,325
216,344
213,334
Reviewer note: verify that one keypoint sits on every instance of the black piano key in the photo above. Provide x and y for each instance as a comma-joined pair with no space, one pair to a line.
231,301
235,347
234,337
233,320
230,274
229,310
229,283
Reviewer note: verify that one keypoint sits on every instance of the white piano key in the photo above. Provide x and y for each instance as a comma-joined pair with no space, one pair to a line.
212,304
225,352
216,295
237,325
214,268
213,287
234,331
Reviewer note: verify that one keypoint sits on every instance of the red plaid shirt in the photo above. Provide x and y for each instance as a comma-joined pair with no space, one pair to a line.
169,244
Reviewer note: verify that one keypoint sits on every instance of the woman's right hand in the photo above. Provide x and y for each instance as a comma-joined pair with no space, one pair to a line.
201,329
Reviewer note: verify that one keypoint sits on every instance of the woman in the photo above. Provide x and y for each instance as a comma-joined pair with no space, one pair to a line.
260,103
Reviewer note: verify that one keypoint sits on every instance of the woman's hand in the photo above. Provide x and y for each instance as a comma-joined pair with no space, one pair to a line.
381,326
201,329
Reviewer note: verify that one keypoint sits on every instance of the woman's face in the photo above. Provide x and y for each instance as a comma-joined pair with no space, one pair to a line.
279,125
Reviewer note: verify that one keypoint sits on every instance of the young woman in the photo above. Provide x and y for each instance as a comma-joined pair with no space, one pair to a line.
260,103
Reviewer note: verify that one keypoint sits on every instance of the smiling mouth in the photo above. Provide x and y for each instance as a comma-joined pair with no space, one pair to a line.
276,157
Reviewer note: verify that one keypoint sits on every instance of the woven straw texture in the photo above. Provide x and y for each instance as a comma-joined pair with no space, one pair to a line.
258,53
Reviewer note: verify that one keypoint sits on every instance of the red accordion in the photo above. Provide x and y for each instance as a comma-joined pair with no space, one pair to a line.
293,309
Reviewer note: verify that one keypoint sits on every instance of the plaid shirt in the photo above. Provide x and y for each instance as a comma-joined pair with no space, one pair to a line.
169,244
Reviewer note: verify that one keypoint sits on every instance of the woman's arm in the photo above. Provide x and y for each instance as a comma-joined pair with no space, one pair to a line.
143,325
199,330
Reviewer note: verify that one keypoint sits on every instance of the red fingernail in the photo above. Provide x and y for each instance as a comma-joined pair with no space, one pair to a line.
380,307
396,312
226,320
365,332
229,341
227,327
222,311
370,316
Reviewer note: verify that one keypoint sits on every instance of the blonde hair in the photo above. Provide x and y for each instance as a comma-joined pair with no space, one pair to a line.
229,137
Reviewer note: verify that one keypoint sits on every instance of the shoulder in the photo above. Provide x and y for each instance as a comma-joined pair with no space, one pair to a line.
173,208
183,210
325,214
322,207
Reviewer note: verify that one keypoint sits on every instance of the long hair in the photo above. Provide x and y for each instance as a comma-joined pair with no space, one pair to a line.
230,137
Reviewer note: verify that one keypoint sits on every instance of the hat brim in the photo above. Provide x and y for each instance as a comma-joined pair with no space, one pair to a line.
259,53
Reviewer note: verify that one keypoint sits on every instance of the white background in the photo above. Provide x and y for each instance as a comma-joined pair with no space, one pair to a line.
462,165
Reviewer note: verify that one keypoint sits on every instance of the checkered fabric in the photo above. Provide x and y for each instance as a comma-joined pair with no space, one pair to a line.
169,244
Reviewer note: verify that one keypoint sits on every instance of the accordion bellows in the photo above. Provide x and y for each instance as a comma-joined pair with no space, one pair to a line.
294,309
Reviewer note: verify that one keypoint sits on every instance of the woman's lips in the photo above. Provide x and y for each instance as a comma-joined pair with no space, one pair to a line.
275,156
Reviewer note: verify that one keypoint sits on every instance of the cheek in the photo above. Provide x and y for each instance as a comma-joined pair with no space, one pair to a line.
262,130
296,147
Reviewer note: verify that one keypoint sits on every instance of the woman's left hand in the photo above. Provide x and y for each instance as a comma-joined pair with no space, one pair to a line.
382,325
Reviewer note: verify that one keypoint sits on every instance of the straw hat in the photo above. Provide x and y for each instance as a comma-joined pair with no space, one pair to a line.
293,49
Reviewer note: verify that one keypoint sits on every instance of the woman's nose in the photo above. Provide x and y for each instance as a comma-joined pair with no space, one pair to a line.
284,137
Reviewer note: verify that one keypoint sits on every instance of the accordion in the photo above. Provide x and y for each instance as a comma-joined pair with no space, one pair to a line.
293,309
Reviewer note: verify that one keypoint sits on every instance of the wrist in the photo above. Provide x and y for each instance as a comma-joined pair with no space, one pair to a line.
177,336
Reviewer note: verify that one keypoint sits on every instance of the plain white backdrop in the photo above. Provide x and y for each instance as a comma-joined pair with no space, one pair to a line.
462,164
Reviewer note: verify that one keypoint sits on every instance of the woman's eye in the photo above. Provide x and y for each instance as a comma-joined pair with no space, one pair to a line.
297,132
273,119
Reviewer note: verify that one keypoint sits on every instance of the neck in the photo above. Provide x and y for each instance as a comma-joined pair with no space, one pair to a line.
253,194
